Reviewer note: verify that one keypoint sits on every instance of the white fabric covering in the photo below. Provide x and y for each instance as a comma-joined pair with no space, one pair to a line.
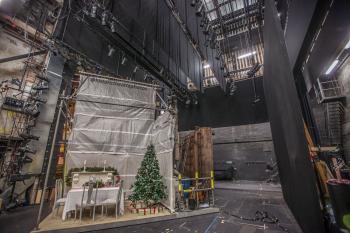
115,122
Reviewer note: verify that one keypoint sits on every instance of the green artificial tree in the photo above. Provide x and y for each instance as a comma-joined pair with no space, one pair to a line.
148,187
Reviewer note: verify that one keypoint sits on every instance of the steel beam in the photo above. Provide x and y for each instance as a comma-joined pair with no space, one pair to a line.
26,55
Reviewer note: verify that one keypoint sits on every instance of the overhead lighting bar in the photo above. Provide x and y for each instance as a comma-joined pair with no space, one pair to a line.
247,55
332,66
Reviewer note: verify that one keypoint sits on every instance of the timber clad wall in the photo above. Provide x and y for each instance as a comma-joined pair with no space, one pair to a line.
196,152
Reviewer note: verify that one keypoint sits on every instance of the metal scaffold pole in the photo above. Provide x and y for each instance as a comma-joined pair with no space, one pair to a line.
49,164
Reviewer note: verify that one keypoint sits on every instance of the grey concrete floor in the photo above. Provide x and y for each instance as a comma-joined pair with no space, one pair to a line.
244,203
240,202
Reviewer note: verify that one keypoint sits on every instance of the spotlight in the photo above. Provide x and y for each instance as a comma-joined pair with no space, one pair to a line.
113,29
217,57
27,136
256,100
16,82
253,70
199,10
233,88
26,149
38,99
42,77
193,3
32,109
207,30
41,86
124,60
93,11
104,18
147,78
111,50
135,69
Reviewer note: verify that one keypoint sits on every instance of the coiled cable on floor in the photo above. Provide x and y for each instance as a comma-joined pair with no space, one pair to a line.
260,216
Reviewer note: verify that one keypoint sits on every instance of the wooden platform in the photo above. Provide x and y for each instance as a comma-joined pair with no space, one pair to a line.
55,224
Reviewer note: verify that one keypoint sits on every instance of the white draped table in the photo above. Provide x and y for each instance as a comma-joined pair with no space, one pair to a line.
74,197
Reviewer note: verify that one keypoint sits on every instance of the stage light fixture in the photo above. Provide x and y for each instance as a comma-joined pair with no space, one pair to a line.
207,29
206,66
113,28
16,82
256,100
255,68
217,57
199,10
93,11
111,50
193,3
41,86
233,88
104,18
124,60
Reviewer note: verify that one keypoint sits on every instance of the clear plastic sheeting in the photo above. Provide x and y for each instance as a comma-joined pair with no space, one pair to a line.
114,122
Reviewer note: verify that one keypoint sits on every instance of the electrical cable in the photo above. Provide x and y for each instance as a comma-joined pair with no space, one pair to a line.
260,216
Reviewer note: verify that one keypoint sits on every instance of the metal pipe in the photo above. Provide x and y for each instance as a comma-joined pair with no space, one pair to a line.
49,165
32,54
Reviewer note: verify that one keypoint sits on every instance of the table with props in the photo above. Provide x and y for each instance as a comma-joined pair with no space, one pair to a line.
74,197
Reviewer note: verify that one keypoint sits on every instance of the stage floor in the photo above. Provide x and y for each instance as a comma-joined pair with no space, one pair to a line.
55,222
242,202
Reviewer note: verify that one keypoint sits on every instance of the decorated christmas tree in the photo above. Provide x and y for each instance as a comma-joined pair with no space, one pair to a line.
148,187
